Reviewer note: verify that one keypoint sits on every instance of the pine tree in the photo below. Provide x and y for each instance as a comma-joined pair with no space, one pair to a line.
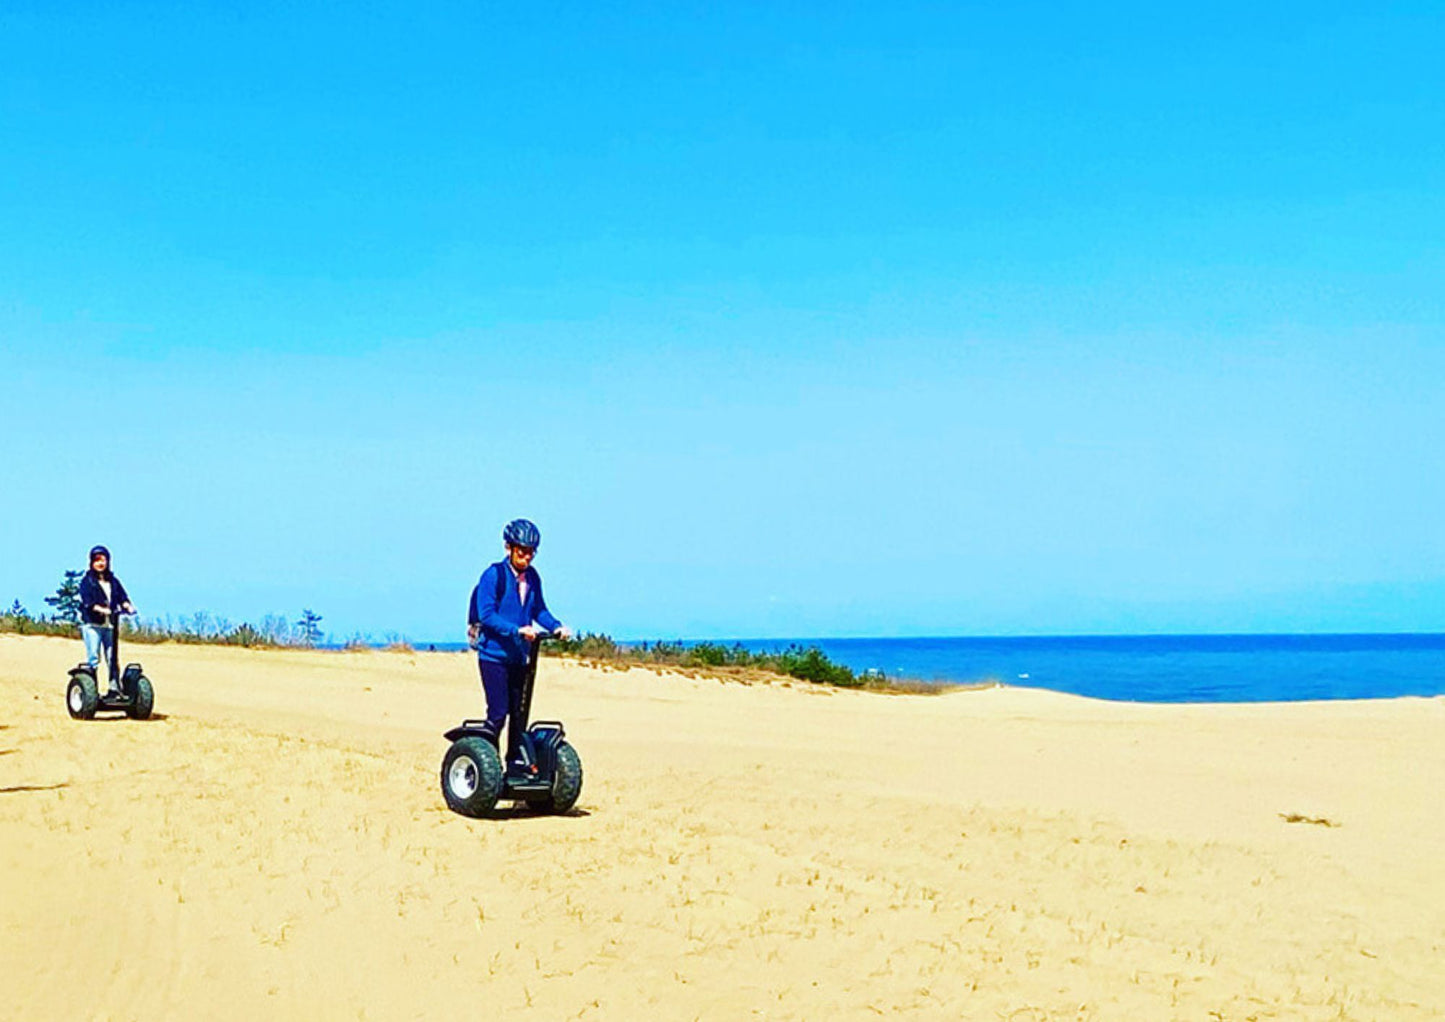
309,626
18,612
66,600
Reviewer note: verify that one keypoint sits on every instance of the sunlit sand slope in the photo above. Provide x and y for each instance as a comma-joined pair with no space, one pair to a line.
274,845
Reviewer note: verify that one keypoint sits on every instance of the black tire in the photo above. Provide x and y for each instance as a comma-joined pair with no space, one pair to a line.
472,776
81,696
145,700
566,784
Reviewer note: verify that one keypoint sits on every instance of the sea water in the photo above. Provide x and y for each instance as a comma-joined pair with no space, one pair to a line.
1153,668
1161,668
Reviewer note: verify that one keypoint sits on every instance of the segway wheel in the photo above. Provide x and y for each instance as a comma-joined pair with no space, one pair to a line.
81,696
566,784
472,776
145,700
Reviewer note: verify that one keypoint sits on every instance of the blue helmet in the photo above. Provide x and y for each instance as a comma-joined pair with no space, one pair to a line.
520,532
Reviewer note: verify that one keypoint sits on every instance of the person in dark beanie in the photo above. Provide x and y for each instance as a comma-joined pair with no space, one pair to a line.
102,599
511,613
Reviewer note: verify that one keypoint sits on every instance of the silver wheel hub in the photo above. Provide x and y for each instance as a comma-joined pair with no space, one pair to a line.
76,698
463,777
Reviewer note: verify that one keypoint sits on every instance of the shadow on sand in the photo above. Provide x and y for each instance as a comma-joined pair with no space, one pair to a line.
520,811
31,787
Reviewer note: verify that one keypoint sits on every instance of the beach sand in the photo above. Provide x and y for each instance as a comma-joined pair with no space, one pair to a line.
275,845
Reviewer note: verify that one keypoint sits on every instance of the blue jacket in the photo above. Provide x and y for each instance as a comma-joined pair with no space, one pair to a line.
502,619
92,595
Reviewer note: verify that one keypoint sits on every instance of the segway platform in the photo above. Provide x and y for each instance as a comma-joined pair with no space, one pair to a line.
547,777
84,699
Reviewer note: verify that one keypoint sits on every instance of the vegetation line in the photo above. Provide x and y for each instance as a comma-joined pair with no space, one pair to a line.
274,630
277,632
737,661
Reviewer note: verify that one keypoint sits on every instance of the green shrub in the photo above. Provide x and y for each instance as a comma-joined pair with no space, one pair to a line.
810,664
708,654
245,635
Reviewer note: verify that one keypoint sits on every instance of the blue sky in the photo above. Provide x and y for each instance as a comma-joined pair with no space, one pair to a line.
846,319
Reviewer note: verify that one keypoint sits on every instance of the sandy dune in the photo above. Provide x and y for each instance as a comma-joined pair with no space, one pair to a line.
276,846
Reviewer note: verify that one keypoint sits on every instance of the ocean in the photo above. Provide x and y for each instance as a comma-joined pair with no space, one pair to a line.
1164,668
1156,668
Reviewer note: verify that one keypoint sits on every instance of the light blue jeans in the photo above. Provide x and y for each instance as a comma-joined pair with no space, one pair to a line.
98,639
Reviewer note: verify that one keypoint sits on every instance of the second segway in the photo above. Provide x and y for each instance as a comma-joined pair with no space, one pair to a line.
547,775
83,697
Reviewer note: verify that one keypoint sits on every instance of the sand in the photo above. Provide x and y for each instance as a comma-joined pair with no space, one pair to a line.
275,845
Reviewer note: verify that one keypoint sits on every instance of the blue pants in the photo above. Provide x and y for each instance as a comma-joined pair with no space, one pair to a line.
504,686
98,639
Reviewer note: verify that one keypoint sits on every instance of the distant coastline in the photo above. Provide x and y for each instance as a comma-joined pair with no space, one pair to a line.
1278,667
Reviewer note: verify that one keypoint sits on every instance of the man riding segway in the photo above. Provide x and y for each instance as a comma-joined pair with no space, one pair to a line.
513,614
103,601
509,616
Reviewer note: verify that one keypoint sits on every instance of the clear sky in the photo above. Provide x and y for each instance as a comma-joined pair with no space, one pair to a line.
780,320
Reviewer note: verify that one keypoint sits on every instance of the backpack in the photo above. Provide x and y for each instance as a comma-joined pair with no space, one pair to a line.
474,623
